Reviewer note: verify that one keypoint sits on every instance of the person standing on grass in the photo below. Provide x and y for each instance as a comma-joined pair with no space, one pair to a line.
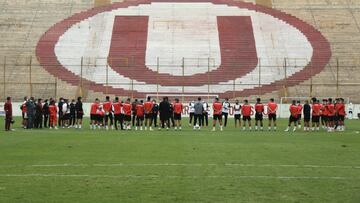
199,110
8,114
217,114
324,114
79,113
30,111
259,114
23,112
127,108
300,108
316,112
271,111
237,114
294,112
191,112
53,110
148,107
72,118
178,108
164,109
205,116
133,106
100,116
340,111
107,105
140,115
331,114
46,113
247,112
38,114
307,113
93,114
60,112
225,111
116,106
155,112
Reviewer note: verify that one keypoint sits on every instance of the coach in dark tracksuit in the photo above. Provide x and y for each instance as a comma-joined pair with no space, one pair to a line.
164,109
30,111
38,114
155,112
46,113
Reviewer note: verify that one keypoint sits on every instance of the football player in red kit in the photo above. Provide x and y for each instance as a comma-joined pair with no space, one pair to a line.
53,115
330,108
271,112
217,114
340,113
178,108
148,106
294,112
316,112
259,114
300,108
247,112
117,113
140,115
107,106
93,114
127,108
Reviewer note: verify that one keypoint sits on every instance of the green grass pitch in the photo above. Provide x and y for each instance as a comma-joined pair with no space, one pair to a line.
70,165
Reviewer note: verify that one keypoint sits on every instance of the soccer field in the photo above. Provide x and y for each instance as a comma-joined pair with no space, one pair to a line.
70,165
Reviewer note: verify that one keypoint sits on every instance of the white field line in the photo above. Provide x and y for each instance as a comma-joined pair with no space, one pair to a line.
181,177
179,164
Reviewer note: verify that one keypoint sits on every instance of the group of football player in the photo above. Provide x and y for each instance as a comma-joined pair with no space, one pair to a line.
143,115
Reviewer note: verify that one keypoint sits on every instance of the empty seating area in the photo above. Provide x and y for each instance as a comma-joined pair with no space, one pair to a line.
23,24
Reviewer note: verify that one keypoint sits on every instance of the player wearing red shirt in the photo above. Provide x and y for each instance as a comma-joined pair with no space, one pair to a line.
116,106
127,107
217,111
8,114
271,111
53,114
148,106
178,108
316,112
330,110
247,112
93,113
107,106
259,112
100,115
294,112
340,112
324,114
300,108
140,111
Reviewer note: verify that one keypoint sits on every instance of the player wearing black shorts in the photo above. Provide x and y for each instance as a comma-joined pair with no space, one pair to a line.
259,112
237,114
307,113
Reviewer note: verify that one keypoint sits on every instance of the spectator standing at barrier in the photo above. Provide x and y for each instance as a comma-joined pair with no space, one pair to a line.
198,112
155,112
30,111
46,113
79,113
23,112
164,109
225,110
38,114
205,116
8,114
